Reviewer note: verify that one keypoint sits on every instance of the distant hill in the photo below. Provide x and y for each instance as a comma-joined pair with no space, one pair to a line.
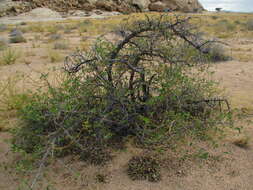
124,6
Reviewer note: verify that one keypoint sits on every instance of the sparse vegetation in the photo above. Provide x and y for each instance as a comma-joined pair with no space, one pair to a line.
249,25
83,26
242,142
54,37
214,17
12,99
9,56
3,44
144,168
37,28
225,25
63,45
3,27
54,56
101,178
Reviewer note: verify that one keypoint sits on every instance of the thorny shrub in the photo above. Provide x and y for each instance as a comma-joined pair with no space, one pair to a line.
151,85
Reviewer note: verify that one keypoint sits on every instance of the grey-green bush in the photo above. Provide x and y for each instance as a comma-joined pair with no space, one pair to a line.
16,36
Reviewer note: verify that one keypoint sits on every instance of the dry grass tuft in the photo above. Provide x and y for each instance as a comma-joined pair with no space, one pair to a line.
9,56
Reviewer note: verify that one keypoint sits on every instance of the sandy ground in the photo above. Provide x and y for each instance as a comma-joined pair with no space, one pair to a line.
26,17
228,168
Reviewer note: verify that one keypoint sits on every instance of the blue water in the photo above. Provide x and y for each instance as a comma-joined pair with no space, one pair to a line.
228,5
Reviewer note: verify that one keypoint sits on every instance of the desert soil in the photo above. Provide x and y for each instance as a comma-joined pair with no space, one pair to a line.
228,168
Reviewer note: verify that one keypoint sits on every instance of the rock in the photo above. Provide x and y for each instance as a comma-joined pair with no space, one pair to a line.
123,6
43,13
183,5
105,5
9,7
157,6
79,13
142,5
98,12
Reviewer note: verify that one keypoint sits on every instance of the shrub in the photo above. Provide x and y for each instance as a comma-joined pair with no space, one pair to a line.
249,25
17,39
38,28
83,26
3,44
144,168
3,27
140,86
16,36
54,56
216,52
214,17
53,29
61,45
69,28
238,22
9,57
54,37
224,25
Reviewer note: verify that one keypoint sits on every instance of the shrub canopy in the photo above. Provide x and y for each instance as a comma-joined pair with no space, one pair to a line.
150,85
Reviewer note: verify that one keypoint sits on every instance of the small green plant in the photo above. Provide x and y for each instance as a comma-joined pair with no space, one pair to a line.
9,56
202,154
144,168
